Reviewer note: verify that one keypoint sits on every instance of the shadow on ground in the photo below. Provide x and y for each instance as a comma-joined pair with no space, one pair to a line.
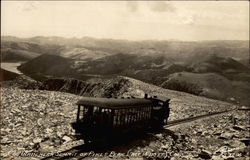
122,145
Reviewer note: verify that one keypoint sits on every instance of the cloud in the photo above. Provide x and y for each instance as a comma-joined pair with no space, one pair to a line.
29,6
189,20
132,6
161,6
158,6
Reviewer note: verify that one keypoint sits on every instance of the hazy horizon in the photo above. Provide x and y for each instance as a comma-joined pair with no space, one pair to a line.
127,20
122,39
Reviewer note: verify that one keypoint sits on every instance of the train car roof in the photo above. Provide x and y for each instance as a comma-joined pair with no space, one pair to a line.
112,103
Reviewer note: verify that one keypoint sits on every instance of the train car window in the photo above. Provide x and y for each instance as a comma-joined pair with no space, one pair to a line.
114,119
126,116
119,116
138,114
141,113
144,113
129,115
82,112
149,112
78,117
134,115
122,116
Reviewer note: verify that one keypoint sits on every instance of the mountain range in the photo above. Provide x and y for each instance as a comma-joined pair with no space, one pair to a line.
214,69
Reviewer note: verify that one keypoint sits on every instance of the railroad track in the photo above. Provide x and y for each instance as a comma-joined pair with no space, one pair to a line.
76,150
185,120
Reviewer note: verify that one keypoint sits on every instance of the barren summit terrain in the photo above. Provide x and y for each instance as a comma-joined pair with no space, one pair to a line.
39,121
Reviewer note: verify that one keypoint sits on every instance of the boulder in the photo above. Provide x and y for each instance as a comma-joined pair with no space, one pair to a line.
66,138
232,99
204,154
226,135
37,140
239,128
246,142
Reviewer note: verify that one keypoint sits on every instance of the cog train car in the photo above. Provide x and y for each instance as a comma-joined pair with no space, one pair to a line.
103,118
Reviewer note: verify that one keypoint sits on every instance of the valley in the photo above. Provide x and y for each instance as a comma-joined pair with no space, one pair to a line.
214,69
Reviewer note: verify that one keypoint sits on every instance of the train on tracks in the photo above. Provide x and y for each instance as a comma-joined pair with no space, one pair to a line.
100,119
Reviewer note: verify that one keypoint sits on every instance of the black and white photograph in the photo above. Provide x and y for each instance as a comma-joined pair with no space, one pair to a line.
121,80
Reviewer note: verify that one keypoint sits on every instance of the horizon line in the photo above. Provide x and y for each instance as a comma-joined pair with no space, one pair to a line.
121,39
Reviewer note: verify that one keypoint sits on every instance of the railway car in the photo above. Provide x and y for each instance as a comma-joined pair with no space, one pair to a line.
103,118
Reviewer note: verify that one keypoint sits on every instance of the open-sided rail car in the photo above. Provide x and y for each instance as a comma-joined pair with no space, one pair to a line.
101,118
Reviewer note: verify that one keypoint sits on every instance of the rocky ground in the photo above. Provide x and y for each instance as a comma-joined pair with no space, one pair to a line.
39,121
35,120
225,136
221,137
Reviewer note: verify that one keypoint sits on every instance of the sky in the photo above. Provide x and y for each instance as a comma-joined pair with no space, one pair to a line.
132,20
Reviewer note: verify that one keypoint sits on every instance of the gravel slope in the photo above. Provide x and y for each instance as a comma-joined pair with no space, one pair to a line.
183,105
33,119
